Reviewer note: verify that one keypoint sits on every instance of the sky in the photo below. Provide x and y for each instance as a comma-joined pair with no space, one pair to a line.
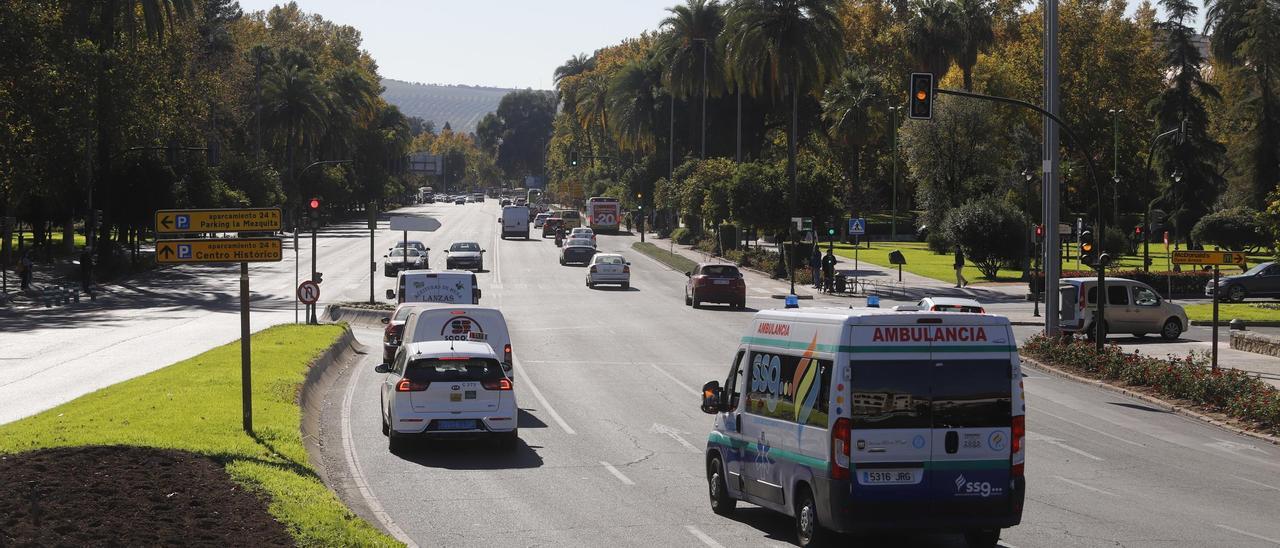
497,43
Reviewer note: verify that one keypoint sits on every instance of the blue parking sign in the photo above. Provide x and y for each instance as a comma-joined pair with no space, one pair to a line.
184,251
857,227
183,222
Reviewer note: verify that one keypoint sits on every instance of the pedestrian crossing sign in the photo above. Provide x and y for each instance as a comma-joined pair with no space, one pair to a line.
857,226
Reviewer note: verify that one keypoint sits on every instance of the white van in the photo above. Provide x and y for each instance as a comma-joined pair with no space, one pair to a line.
853,420
515,221
435,286
443,322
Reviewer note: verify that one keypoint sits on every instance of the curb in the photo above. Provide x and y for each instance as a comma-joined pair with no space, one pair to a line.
1172,408
321,375
363,317
1247,323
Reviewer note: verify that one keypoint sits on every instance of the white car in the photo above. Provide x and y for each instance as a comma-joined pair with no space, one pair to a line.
609,268
950,304
443,389
539,219
583,232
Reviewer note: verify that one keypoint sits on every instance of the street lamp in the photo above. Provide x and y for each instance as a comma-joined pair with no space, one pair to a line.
893,218
1115,164
1146,215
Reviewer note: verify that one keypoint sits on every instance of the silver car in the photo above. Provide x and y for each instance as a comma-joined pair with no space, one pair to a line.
609,268
1132,307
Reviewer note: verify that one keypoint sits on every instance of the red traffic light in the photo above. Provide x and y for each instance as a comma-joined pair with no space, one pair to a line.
1137,230
314,203
1039,231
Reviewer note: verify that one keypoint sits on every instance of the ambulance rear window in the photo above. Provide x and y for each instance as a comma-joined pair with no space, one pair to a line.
972,393
890,394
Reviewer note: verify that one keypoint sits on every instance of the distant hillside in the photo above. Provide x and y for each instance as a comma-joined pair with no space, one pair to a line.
461,106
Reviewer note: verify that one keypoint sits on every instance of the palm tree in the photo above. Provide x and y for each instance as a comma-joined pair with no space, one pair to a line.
690,33
1246,38
783,47
158,17
634,103
576,65
934,35
974,34
294,99
846,110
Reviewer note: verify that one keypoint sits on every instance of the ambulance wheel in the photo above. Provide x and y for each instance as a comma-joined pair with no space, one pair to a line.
982,538
808,531
721,502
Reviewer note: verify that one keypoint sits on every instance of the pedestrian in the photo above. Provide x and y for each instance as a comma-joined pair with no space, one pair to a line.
815,267
959,264
24,270
829,269
86,271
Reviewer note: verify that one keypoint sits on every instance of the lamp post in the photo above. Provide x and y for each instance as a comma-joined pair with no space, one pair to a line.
893,217
1029,242
1146,214
1115,164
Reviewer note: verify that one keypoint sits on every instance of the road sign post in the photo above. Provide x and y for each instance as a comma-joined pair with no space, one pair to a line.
857,227
223,250
1215,258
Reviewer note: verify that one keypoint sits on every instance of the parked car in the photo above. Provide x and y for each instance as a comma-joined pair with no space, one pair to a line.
715,283
1132,307
1262,280
465,256
609,268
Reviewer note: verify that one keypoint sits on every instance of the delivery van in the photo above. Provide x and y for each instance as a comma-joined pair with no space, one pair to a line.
853,420
515,222
435,286
443,322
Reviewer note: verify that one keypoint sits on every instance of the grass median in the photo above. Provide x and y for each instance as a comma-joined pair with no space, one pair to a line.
1255,312
676,261
194,405
920,261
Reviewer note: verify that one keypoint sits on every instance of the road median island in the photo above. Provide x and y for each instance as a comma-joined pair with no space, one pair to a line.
180,418
674,261
1232,399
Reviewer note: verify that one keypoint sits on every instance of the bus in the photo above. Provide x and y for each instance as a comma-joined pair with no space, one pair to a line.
603,214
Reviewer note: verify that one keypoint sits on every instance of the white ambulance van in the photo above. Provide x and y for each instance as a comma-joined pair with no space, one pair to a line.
853,420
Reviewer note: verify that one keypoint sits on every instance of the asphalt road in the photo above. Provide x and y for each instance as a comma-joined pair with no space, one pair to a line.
612,438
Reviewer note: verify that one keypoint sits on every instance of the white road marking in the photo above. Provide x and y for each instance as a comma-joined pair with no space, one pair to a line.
1032,436
1248,534
1234,445
674,434
706,539
686,387
617,474
1005,544
525,380
1258,483
1088,487
357,474
1090,428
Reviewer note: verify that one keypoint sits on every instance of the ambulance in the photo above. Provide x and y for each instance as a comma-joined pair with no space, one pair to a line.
862,420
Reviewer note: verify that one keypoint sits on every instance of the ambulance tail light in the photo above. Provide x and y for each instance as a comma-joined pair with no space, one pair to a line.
1017,445
841,433
406,385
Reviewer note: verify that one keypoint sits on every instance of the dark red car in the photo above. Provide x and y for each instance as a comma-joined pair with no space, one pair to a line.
393,333
715,283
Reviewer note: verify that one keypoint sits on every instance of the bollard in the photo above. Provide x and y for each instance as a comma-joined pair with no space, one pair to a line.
1238,324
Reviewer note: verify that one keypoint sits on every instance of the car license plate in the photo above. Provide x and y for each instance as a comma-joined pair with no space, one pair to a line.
455,424
721,282
889,476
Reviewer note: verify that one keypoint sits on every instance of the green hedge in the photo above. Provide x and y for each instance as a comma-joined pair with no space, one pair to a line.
1230,391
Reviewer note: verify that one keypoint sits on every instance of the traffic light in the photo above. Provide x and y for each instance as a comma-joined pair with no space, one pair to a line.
831,231
921,98
1039,233
573,158
1087,247
1137,231
314,204
319,277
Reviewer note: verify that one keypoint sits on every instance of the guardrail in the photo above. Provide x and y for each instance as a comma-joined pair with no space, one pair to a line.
58,295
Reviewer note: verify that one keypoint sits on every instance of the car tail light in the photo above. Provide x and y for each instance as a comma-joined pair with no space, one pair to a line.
506,353
406,385
840,436
593,268
498,384
1017,445
393,333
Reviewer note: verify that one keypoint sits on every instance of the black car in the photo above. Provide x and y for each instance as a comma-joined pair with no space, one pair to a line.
577,251
1262,280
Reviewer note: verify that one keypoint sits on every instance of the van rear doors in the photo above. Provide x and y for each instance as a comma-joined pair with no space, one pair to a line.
931,402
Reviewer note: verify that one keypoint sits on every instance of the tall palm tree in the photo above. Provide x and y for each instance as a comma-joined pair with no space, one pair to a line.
846,110
974,34
783,47
934,35
634,103
1246,38
295,100
115,17
575,66
694,63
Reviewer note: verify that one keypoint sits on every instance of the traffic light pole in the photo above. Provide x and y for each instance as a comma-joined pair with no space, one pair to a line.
311,318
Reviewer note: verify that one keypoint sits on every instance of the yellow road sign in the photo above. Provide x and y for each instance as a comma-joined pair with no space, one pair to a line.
1209,257
173,221
238,250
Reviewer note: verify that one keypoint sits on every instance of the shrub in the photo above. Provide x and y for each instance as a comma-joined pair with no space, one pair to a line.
1116,242
990,232
663,231
1230,391
685,235
706,245
938,242
1237,229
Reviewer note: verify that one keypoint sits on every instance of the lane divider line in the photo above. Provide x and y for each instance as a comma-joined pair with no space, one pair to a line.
525,380
1036,436
1087,487
1090,428
705,538
675,435
357,473
678,382
1258,483
1248,534
617,474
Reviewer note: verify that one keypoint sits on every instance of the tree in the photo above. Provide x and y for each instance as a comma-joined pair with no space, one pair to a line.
1194,155
851,122
525,118
959,154
989,231
974,34
688,33
296,102
1237,229
934,34
635,101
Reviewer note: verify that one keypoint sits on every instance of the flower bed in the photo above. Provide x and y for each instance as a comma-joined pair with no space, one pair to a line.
1232,392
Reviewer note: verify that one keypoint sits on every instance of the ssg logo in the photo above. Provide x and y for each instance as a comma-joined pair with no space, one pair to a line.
966,488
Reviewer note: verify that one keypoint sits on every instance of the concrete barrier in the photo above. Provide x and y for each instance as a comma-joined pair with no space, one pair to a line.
321,375
365,317
1257,343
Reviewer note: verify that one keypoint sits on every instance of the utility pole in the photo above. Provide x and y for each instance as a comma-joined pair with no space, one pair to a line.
1115,165
893,219
1050,156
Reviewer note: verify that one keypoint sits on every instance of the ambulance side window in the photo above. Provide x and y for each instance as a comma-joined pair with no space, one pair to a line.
731,387
777,390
